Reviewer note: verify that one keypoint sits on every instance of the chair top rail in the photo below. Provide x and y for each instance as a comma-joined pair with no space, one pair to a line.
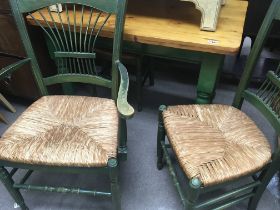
31,5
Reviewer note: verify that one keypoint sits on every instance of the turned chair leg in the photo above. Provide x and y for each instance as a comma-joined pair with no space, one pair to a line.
115,189
8,183
192,193
160,138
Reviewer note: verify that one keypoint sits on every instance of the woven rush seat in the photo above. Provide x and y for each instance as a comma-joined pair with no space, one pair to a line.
74,131
215,143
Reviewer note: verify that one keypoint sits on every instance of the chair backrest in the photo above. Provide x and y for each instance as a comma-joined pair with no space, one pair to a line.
267,97
72,35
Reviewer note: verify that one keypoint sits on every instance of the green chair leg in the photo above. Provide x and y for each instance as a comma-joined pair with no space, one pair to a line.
8,183
115,189
192,193
265,178
122,150
160,138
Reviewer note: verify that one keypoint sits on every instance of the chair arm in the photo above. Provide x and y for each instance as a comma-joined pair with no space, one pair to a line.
125,109
12,67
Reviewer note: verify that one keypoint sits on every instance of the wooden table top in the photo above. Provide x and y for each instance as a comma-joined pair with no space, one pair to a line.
172,23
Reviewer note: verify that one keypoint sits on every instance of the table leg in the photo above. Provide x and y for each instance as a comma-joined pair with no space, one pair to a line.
211,67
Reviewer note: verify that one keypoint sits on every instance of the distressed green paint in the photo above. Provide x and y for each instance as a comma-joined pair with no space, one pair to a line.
115,188
73,66
174,176
89,79
31,5
160,137
264,100
62,190
74,55
210,70
8,183
273,78
126,111
271,116
230,194
8,70
255,52
209,75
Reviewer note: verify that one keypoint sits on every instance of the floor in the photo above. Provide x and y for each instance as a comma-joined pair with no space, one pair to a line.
143,187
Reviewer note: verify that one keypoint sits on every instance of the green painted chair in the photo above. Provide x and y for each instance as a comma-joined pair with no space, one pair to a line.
217,145
70,134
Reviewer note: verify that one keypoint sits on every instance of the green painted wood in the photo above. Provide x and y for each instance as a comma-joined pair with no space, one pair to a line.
265,177
56,169
73,42
154,50
160,137
266,100
193,191
122,150
126,111
117,47
74,55
27,45
274,78
234,201
62,190
174,177
13,171
8,183
89,79
255,52
31,5
227,195
72,48
115,188
277,17
7,70
271,116
26,176
208,77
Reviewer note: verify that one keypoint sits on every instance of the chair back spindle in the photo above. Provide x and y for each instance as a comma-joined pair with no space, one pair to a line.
72,35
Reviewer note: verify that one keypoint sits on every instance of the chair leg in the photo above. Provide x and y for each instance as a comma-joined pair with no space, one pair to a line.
160,137
193,191
122,150
265,178
115,189
8,183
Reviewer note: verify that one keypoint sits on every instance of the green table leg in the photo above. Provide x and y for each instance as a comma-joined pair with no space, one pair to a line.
209,74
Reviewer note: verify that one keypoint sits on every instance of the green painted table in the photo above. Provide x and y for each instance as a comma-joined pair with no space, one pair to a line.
170,29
